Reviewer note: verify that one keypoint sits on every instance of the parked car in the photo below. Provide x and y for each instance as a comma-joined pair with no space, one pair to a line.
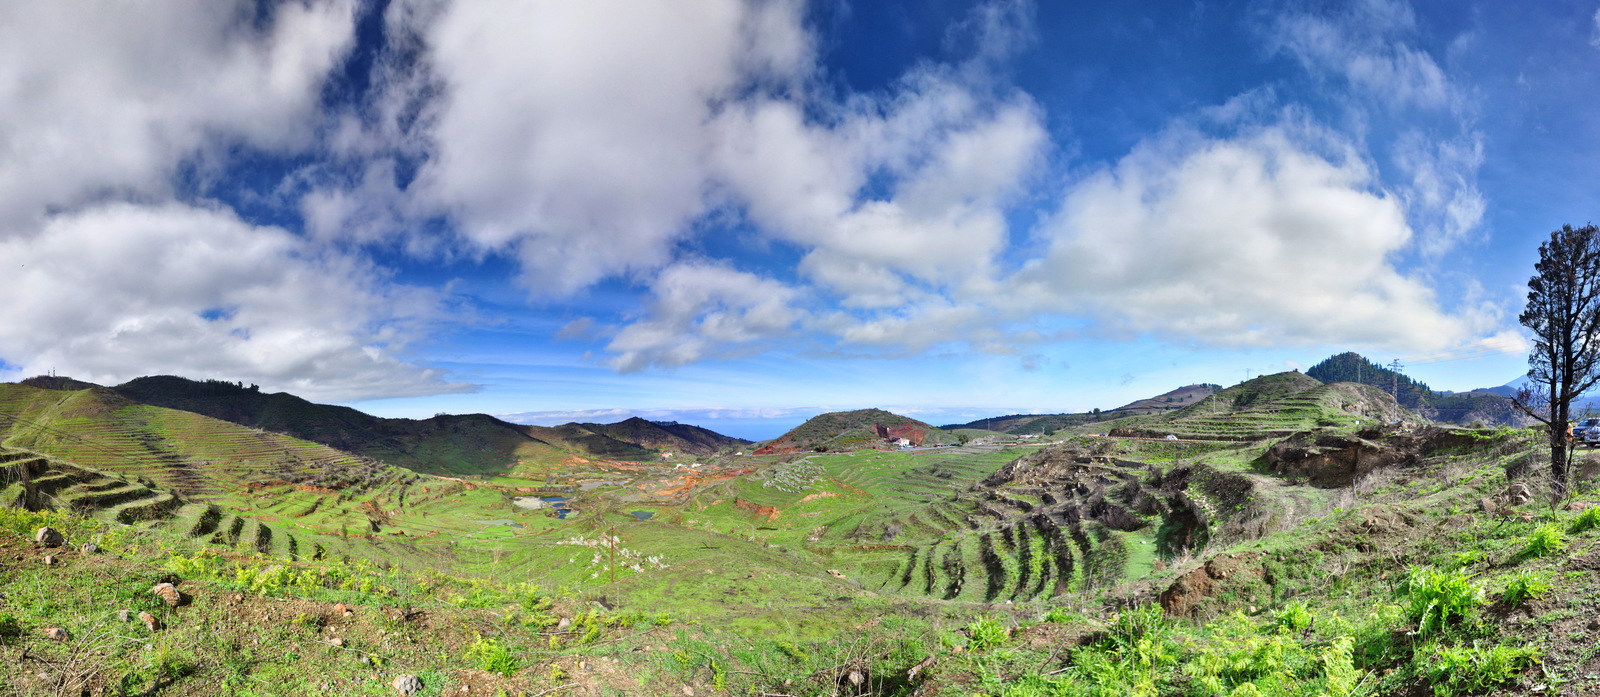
1587,432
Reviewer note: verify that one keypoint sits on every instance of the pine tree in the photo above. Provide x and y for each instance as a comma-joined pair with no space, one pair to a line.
1563,312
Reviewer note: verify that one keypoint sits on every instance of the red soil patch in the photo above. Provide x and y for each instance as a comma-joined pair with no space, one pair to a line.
756,510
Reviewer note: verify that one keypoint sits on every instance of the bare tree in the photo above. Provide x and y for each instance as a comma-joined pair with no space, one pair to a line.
1563,312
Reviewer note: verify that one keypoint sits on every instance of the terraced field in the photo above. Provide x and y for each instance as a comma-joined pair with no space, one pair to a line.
1271,406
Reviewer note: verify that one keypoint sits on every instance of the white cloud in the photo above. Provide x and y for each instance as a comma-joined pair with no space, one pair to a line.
1262,239
1364,43
101,99
1369,45
702,310
572,135
1443,195
949,156
113,292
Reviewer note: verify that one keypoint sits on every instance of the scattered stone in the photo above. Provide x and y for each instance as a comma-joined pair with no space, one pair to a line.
49,560
150,621
366,659
168,593
124,615
336,642
55,633
407,685
49,537
1487,505
90,548
835,573
1516,494
688,691
564,624
342,610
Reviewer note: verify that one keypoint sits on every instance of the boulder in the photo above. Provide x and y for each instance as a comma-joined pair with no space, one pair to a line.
49,537
169,594
407,685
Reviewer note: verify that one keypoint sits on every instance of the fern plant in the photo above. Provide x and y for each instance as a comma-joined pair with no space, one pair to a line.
1438,598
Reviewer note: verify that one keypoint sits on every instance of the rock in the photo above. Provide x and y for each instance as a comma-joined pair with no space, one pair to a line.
1594,624
336,642
688,691
90,548
169,593
49,560
124,615
1516,494
55,633
150,621
564,624
835,573
49,537
407,685
1487,505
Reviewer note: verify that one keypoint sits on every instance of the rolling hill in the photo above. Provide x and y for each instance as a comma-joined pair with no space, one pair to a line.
444,444
1270,406
1487,406
853,430
1043,424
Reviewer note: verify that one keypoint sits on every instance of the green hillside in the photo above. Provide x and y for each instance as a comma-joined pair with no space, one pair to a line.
1290,542
444,444
850,430
1459,408
1270,406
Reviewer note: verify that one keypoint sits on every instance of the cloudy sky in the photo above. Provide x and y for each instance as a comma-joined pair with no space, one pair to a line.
740,213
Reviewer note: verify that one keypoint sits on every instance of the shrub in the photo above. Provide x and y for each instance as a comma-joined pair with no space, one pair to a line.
1454,670
1138,623
985,633
1061,615
1588,520
1525,586
1294,617
1544,540
1469,557
10,627
1439,597
492,656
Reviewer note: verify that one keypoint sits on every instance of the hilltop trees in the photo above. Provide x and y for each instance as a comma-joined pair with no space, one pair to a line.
1563,312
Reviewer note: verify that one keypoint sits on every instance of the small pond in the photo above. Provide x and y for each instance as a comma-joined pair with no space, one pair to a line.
643,515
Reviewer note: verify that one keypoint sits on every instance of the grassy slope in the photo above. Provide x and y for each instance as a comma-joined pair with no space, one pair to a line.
468,444
847,430
757,605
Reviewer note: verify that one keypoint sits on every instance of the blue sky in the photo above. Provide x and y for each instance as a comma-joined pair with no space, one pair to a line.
742,213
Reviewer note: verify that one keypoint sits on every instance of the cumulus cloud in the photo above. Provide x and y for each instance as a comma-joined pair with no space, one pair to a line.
701,310
950,155
572,135
1370,46
110,99
113,292
1264,239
